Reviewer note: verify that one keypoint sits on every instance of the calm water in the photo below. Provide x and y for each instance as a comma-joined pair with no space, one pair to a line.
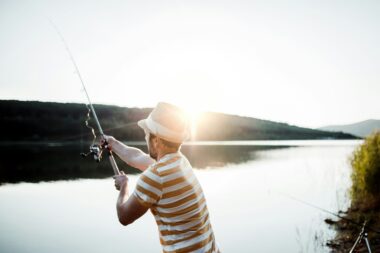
53,201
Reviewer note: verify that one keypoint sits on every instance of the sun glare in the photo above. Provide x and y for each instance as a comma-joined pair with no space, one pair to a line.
191,106
193,116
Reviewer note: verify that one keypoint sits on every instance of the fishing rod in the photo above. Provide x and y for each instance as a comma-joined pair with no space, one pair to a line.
363,235
95,150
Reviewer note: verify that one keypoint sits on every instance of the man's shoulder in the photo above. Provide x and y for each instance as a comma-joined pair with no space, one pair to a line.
170,163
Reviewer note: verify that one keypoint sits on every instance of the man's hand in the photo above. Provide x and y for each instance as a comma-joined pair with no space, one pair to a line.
121,180
109,139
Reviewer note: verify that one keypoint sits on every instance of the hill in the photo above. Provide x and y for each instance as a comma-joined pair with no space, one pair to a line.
48,121
362,129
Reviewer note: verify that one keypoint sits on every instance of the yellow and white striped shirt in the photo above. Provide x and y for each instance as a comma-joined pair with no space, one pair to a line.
171,190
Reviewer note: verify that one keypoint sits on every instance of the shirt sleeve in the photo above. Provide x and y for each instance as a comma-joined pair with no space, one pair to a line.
148,189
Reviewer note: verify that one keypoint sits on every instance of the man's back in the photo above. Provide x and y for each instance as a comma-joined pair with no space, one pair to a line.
172,192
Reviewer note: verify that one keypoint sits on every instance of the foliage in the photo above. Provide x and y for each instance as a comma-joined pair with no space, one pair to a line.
217,126
366,170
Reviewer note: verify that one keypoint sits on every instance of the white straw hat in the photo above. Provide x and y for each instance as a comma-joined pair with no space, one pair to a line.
167,122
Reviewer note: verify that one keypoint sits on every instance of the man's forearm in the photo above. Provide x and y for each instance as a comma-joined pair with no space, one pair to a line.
132,156
128,207
121,204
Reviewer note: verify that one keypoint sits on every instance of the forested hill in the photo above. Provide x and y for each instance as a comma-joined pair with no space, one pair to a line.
362,129
47,121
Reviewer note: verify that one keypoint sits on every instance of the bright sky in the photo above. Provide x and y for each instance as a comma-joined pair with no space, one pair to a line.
307,63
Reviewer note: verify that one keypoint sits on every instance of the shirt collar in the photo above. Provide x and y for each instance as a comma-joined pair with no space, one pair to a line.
169,156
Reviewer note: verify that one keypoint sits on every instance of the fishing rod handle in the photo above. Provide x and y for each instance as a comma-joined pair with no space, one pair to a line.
116,170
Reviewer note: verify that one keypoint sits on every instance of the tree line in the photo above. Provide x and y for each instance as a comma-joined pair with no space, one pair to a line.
49,121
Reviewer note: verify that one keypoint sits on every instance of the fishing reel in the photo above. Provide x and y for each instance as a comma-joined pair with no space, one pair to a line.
96,151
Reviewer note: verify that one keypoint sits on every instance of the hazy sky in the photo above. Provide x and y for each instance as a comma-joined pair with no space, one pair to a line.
308,63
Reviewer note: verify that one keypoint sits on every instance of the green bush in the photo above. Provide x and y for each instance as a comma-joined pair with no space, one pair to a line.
365,163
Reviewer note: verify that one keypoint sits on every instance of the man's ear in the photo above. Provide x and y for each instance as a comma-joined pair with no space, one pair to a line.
155,141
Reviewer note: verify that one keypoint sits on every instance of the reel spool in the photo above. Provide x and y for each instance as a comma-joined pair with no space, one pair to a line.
96,151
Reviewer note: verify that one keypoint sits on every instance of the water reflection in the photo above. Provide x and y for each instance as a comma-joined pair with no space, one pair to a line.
35,163
245,197
211,156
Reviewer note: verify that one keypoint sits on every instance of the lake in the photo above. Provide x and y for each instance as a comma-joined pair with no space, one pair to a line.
52,200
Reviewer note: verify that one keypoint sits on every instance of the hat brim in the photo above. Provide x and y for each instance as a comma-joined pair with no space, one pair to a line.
143,125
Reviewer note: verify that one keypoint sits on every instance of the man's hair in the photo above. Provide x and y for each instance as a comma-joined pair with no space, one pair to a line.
166,143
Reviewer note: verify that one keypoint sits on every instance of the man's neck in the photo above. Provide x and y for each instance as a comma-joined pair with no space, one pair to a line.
165,152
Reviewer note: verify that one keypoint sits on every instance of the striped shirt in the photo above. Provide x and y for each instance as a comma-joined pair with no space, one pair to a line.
173,194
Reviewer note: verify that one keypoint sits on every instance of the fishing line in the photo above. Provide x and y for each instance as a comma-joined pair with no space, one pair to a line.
88,117
329,212
76,136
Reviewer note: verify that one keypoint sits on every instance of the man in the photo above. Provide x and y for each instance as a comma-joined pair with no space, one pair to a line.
167,186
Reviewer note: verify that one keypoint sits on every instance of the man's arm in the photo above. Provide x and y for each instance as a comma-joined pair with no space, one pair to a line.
132,156
128,207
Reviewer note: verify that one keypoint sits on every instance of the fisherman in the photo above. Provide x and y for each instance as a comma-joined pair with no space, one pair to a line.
167,186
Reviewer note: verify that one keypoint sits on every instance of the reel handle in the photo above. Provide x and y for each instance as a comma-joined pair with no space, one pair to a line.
115,168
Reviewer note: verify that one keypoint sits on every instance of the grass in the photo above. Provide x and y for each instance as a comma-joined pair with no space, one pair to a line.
365,195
